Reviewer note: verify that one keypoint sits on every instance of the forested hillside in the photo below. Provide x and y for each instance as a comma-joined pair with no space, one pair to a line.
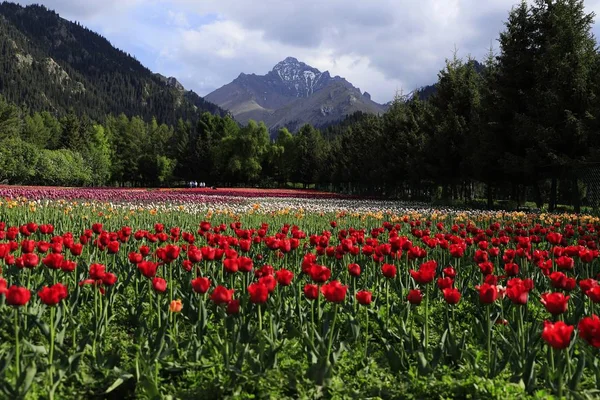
51,64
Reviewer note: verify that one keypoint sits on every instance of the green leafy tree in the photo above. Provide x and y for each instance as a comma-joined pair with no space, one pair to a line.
99,156
310,155
455,105
18,161
242,153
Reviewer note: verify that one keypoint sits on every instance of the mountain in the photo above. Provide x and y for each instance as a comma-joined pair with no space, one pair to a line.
292,94
49,63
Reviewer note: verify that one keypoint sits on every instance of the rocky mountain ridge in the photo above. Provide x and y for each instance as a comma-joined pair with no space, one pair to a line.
292,94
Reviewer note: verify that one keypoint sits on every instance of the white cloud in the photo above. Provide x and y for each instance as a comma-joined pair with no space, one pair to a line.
86,9
378,45
178,19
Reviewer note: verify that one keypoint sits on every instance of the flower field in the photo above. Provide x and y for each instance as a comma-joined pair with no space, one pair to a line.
292,297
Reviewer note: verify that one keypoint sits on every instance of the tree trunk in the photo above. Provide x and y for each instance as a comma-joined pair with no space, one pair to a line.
537,195
490,196
445,194
553,193
576,196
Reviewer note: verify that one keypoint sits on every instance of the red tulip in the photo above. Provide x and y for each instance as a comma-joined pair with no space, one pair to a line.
194,255
30,260
264,271
200,285
284,277
587,284
594,294
415,297
148,268
113,247
564,262
17,296
53,261
245,264
144,251
511,269
311,291
68,266
27,246
109,279
159,285
487,293
42,246
451,295
354,270
364,297
259,293
444,283
51,296
425,274
457,250
221,295
556,303
97,271
389,270
233,307
334,291
487,268
558,280
558,334
449,272
517,290
76,249
171,253
97,228
319,273
269,281
231,265
589,330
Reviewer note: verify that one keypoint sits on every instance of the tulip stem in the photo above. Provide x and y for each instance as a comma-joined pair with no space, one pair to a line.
51,354
551,359
426,318
335,311
568,357
387,304
95,289
312,320
17,353
597,369
367,335
489,340
521,330
260,344
200,321
158,311
560,383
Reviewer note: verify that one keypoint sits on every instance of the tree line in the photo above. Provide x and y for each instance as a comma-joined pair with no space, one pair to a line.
521,127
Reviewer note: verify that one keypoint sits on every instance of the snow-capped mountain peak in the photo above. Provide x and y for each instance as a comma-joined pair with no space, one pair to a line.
298,77
291,94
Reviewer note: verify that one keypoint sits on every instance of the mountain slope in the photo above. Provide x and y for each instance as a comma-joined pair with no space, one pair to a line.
292,94
52,64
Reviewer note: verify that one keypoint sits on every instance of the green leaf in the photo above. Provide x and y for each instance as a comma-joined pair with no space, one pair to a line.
118,382
578,373
26,379
36,348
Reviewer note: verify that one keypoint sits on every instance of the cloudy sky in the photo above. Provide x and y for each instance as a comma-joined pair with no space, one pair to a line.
381,46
